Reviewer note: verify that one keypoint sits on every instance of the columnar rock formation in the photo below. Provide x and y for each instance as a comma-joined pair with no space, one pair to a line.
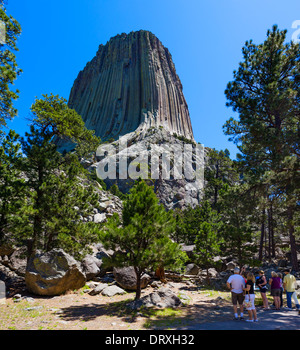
130,92
130,82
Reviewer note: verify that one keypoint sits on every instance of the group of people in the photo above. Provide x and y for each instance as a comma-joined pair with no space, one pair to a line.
242,287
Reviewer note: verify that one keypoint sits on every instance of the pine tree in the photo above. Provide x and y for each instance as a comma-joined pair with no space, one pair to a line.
12,186
237,206
189,220
52,116
208,245
8,66
143,234
220,170
266,94
59,196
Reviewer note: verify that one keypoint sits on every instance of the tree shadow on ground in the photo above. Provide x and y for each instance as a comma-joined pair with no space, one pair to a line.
154,318
90,312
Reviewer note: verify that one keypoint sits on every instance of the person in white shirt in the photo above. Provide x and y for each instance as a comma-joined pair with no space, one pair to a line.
236,284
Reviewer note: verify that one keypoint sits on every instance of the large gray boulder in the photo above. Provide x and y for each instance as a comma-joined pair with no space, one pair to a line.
192,269
111,291
91,266
17,261
162,298
126,278
2,293
53,273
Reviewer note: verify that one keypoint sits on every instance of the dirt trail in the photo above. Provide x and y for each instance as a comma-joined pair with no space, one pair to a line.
80,311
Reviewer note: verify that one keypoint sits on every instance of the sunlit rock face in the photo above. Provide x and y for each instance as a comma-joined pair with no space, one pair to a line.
130,82
130,93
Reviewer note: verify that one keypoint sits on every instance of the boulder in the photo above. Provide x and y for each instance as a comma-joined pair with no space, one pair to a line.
98,218
17,261
110,291
53,273
91,267
126,278
102,252
189,250
2,293
192,269
98,289
231,265
162,298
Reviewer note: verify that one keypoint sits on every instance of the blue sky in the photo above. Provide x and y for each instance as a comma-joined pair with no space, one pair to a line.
205,38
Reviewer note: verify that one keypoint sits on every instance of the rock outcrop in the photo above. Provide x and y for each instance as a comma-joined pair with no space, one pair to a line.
131,81
130,92
143,149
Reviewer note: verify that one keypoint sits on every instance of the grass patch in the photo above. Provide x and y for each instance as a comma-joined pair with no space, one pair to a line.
164,318
20,315
155,318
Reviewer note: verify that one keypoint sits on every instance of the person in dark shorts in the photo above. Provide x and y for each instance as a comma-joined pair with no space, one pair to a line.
275,284
236,284
261,282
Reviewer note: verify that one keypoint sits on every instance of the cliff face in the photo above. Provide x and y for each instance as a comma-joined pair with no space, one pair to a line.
129,83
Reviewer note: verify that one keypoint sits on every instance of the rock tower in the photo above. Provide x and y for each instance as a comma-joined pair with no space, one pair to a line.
130,92
131,81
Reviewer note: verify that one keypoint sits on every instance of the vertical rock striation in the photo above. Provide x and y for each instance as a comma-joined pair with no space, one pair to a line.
131,82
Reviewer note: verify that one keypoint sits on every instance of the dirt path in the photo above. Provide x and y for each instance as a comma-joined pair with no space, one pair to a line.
79,311
206,310
272,320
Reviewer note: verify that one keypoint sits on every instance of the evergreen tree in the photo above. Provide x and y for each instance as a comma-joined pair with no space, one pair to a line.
220,170
52,116
142,234
189,220
12,185
238,229
9,70
179,234
208,245
59,196
114,189
266,94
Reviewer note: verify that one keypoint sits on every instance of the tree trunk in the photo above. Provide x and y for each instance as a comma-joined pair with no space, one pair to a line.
262,235
160,273
291,227
271,232
138,284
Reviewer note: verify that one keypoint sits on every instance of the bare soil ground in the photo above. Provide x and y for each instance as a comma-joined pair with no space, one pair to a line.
80,311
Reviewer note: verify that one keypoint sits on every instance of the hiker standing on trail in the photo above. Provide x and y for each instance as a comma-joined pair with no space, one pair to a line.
262,285
275,284
236,284
289,283
250,297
